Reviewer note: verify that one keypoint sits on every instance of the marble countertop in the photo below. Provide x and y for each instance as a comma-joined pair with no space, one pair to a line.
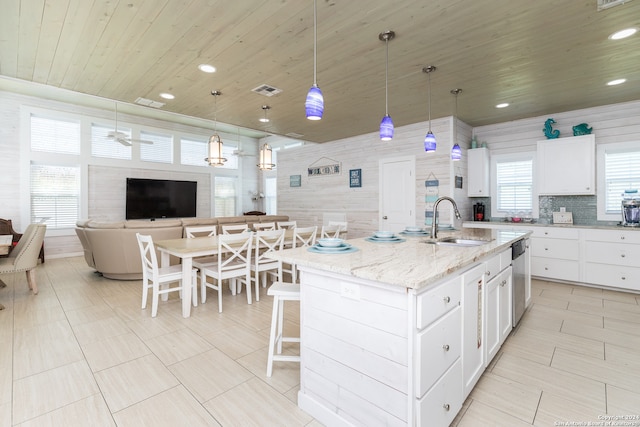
520,225
412,264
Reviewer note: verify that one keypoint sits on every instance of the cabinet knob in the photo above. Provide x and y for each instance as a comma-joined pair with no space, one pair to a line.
384,217
624,278
446,347
621,237
446,406
447,299
546,249
546,268
623,255
546,232
488,273
504,282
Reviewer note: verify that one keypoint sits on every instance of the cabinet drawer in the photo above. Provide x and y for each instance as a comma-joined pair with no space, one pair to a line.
612,253
555,232
438,347
552,268
441,404
555,248
613,275
497,263
436,302
613,235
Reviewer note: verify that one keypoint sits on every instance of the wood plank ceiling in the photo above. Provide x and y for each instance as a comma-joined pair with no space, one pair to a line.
543,57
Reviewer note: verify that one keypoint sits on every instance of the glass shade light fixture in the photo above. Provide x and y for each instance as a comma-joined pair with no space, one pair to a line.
429,139
265,119
386,125
456,151
314,104
266,158
214,147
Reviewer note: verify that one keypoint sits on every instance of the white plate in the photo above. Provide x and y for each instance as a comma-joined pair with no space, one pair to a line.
330,242
414,229
384,234
381,240
337,250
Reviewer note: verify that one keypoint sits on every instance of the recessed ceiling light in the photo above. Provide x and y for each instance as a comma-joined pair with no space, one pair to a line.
207,68
166,95
623,34
616,82
503,105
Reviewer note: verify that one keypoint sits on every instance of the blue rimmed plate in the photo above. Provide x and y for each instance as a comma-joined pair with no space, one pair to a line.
394,239
415,233
345,248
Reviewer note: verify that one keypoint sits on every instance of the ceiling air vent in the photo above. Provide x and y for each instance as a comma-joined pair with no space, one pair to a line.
606,4
149,103
294,135
266,90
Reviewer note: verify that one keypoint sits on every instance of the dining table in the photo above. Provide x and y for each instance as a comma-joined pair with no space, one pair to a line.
188,248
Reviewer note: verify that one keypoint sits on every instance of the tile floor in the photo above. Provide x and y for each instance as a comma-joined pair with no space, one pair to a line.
82,352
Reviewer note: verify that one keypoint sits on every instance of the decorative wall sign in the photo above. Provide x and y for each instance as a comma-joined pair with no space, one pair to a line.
355,178
458,181
295,180
324,166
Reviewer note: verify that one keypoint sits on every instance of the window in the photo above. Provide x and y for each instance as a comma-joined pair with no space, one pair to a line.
225,196
618,170
270,193
193,152
513,189
230,153
55,195
101,146
54,135
161,151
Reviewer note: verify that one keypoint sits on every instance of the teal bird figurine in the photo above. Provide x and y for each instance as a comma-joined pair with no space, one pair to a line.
548,131
582,129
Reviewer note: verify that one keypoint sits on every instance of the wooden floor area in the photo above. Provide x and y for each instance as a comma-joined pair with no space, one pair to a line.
82,352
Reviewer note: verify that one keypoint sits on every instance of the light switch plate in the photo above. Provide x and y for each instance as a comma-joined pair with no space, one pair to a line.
562,218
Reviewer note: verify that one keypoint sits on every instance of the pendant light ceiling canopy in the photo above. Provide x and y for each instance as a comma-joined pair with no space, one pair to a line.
386,125
429,139
214,147
456,151
314,104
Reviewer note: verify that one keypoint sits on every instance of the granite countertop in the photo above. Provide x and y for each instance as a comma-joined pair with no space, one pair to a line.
516,225
412,264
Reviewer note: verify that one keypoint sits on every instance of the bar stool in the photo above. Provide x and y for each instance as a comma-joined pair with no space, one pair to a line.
281,292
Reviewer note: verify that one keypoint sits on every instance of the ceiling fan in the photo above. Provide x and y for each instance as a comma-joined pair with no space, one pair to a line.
122,137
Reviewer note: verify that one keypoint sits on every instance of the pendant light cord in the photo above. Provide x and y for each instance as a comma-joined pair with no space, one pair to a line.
429,76
315,41
386,80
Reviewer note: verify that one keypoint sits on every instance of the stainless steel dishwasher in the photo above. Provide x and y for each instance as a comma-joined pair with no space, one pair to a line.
519,265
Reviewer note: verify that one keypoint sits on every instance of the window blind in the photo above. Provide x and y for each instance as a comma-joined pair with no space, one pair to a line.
101,146
55,135
225,196
514,185
161,151
622,172
55,194
193,152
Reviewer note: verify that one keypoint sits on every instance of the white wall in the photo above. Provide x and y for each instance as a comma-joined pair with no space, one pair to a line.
331,194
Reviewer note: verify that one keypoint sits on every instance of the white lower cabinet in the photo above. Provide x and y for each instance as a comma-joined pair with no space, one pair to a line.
611,258
555,253
498,312
441,404
473,326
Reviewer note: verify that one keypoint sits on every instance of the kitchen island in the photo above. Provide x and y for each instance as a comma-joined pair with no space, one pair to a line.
383,329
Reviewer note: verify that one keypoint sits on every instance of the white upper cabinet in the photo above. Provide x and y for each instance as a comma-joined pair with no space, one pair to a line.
567,165
478,173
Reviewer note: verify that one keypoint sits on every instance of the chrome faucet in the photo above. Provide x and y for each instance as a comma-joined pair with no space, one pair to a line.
434,227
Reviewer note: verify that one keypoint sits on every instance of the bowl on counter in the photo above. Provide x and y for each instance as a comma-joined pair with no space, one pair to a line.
384,234
413,229
330,242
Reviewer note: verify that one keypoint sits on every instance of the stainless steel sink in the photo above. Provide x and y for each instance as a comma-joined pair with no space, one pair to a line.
455,241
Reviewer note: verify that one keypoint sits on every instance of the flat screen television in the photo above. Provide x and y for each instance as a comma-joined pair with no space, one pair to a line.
160,198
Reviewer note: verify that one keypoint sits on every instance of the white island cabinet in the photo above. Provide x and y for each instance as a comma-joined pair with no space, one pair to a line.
382,330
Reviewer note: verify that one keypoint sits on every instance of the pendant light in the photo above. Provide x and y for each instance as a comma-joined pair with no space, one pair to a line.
456,151
386,125
215,143
266,154
429,139
314,105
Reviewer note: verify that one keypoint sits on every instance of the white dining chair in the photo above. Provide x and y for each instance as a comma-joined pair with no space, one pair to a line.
302,237
158,279
281,292
258,226
286,225
234,265
235,228
200,231
334,229
266,242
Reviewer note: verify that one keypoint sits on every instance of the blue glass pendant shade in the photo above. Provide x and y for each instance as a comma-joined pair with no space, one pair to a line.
456,152
386,128
314,105
429,142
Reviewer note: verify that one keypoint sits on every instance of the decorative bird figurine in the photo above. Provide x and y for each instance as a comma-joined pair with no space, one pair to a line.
582,129
548,131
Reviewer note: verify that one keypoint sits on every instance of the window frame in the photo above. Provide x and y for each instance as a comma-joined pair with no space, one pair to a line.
507,158
601,187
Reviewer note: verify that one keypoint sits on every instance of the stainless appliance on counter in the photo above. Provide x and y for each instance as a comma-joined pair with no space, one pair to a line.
519,260
631,208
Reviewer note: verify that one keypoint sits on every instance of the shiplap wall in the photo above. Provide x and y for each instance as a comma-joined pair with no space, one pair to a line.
105,178
324,194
